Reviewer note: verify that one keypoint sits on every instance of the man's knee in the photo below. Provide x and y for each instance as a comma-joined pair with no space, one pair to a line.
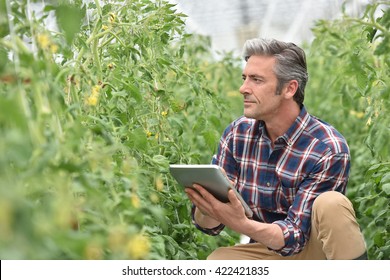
332,211
332,202
334,222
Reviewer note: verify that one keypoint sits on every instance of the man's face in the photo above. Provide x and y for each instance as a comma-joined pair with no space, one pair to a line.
261,100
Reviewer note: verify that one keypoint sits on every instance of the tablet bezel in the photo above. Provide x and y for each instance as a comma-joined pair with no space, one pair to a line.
211,177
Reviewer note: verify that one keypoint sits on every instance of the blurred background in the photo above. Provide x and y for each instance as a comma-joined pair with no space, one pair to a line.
230,23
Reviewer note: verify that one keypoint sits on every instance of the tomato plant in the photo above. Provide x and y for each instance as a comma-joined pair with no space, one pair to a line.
349,64
92,113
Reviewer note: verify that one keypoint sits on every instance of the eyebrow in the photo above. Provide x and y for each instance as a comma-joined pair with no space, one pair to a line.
253,76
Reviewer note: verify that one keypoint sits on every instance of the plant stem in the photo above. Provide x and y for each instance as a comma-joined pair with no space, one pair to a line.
98,8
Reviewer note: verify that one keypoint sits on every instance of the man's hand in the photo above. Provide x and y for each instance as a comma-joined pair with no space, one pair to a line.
210,212
213,212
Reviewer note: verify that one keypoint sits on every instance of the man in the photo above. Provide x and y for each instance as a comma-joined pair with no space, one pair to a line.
290,167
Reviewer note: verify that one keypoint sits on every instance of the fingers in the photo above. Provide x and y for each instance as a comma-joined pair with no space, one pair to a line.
233,199
201,198
210,206
194,192
204,193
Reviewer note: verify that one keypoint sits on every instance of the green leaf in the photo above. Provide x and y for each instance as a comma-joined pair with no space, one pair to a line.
386,188
177,126
200,124
135,93
383,47
370,33
385,19
170,245
211,138
138,139
69,19
4,26
12,113
378,239
374,168
162,162
49,8
385,178
159,245
362,80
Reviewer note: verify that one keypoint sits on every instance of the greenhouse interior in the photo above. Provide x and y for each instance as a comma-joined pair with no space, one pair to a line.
99,97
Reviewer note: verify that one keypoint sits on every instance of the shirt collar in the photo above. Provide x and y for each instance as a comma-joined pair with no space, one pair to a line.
296,129
292,133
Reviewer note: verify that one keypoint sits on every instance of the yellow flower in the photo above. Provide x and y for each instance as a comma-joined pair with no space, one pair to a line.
148,133
104,27
135,201
53,48
92,100
359,115
43,41
95,90
138,247
112,17
159,183
164,113
154,198
93,251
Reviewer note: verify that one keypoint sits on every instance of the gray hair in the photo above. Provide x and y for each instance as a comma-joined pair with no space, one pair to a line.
290,62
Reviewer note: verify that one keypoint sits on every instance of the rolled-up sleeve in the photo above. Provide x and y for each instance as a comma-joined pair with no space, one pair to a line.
210,231
330,174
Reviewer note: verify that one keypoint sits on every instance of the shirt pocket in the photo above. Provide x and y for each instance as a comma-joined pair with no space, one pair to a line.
286,194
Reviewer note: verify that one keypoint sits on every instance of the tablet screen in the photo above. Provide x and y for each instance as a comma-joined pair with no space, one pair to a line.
211,177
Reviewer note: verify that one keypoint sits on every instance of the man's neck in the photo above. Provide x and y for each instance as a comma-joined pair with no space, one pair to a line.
282,121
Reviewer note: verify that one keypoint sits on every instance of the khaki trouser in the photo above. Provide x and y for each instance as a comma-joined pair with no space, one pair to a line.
335,234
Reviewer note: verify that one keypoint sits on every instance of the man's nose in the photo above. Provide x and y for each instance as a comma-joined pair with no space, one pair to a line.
244,88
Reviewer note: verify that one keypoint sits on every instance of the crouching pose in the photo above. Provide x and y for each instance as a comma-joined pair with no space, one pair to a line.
290,167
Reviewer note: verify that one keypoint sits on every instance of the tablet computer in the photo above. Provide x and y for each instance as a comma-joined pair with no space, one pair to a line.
211,177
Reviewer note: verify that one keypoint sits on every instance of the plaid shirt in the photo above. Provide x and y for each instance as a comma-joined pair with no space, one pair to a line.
280,184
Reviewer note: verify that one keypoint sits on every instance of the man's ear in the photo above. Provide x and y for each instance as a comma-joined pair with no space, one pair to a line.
290,89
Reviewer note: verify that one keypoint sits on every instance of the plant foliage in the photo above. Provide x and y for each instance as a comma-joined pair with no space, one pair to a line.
92,112
349,65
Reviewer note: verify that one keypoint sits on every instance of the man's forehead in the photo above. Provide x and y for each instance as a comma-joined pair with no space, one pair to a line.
260,63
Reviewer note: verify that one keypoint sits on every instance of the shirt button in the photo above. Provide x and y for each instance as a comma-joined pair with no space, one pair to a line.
268,184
